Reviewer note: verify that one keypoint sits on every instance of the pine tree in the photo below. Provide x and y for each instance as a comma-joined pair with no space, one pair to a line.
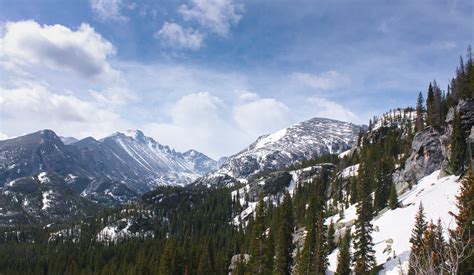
331,237
258,238
307,255
344,255
284,241
205,264
429,105
465,218
167,258
416,239
419,125
458,147
393,197
269,252
364,259
437,115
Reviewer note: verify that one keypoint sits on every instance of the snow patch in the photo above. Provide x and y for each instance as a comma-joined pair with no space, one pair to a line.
392,229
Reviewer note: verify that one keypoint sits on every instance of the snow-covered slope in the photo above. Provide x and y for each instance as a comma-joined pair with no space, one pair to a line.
153,163
302,141
392,229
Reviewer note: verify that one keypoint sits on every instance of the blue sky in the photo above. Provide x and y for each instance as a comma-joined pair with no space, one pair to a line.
213,75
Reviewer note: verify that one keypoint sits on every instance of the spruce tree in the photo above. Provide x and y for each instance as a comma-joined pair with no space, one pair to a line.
458,147
437,107
331,237
167,258
258,238
364,259
429,105
284,240
419,124
307,255
269,253
464,220
344,255
393,197
416,239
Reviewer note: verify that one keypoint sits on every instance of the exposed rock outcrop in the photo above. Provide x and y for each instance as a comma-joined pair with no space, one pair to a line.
426,155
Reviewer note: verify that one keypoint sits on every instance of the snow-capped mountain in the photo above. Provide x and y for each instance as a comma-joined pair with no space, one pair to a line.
140,161
302,141
115,167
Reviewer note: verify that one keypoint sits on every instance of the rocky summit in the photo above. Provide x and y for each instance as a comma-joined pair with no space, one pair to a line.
302,141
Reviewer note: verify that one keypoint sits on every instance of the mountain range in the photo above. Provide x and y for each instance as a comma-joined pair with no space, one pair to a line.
120,167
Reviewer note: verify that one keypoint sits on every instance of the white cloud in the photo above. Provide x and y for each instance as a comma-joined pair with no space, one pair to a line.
206,123
246,96
3,136
82,51
324,81
114,96
198,121
32,106
108,9
173,35
330,109
216,15
262,116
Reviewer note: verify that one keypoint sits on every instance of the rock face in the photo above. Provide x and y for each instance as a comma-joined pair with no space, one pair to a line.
302,141
466,110
201,163
426,155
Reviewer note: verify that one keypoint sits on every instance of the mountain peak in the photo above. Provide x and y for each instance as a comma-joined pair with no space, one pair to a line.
301,141
135,134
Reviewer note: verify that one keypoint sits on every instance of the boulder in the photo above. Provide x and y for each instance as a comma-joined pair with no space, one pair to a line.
426,155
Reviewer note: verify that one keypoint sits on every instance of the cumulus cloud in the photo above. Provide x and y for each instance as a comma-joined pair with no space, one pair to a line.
205,122
82,51
114,96
3,136
197,121
245,96
324,81
33,106
216,15
262,116
173,35
330,109
107,9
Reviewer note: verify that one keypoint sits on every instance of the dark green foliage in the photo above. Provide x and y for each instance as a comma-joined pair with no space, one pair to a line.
393,197
284,239
258,238
416,239
313,258
430,106
458,147
465,218
419,125
331,237
364,259
344,255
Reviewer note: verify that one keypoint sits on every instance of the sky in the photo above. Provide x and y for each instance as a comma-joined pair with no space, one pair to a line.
213,75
